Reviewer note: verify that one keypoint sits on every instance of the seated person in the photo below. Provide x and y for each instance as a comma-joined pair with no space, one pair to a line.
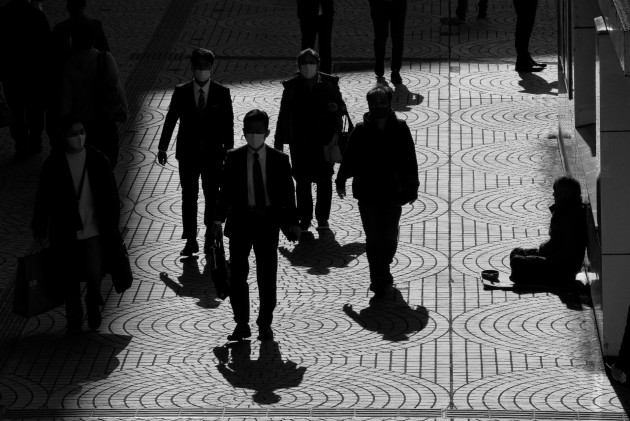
559,259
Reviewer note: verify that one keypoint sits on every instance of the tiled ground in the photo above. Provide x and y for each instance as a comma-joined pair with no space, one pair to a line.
440,347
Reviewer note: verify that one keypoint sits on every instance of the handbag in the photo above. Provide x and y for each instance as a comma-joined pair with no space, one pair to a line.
122,277
109,105
35,292
346,130
219,269
332,152
5,112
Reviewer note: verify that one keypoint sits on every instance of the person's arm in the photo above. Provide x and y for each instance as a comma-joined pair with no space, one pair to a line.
346,168
41,211
410,167
283,125
172,115
228,122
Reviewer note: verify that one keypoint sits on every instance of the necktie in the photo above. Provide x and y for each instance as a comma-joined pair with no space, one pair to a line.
259,186
201,102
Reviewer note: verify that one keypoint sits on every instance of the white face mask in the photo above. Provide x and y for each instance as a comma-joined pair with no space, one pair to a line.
255,140
202,75
308,71
76,143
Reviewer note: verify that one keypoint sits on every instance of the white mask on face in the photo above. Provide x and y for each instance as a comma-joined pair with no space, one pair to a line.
202,75
308,71
255,140
76,143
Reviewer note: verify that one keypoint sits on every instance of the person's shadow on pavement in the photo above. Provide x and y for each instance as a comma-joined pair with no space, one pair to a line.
534,84
320,254
390,316
264,375
192,283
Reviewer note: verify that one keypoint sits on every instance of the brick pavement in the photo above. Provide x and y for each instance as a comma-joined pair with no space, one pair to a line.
439,347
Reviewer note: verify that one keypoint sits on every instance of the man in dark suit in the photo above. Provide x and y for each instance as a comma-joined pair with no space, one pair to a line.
257,198
316,18
206,133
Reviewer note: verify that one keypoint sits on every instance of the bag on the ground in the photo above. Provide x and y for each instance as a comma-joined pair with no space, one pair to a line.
122,277
219,269
5,112
35,292
332,151
110,106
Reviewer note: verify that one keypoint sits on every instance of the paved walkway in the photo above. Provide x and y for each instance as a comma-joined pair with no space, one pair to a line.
439,347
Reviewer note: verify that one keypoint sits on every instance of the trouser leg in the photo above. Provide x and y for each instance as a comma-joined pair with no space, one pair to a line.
325,25
189,173
304,199
398,17
266,249
210,185
239,269
324,199
308,28
380,23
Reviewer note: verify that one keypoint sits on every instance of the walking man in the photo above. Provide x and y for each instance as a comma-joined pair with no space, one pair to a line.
381,159
257,198
316,19
386,15
206,133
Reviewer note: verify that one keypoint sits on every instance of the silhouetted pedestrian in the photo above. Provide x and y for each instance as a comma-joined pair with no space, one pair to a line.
256,199
559,259
381,160
525,19
78,210
84,76
462,9
206,133
61,51
316,20
310,113
388,15
24,38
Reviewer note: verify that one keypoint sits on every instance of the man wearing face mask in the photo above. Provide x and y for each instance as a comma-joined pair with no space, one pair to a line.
206,133
381,160
256,199
310,114
77,208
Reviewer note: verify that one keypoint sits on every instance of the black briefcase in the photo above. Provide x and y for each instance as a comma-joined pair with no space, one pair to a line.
219,269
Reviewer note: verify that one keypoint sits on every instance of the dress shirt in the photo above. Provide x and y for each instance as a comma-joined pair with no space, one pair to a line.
205,88
262,156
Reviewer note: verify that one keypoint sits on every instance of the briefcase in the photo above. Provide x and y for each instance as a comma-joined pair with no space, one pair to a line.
35,291
219,269
122,277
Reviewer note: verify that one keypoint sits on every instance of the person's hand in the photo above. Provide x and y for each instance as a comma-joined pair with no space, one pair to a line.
162,158
341,192
618,374
332,107
295,232
217,230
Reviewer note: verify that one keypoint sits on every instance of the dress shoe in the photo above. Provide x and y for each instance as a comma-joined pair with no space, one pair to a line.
191,247
265,333
535,63
527,68
396,78
241,331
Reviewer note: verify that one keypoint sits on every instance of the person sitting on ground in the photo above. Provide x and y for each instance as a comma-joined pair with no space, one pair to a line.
559,259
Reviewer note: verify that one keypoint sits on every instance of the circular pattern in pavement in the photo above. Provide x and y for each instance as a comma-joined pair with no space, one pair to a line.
544,48
528,116
540,326
550,389
520,205
533,158
130,157
19,392
508,82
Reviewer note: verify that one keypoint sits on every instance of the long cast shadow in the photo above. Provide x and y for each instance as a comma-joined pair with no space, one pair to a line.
264,376
390,316
192,283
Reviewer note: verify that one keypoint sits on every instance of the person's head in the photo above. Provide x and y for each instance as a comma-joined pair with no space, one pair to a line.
82,36
567,191
201,62
256,128
308,63
75,7
379,101
74,134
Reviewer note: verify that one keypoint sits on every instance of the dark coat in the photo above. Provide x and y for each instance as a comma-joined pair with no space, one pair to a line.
208,136
56,213
383,165
232,204
567,236
306,124
309,9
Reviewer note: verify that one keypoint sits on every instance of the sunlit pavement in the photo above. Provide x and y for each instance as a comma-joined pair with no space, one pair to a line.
438,346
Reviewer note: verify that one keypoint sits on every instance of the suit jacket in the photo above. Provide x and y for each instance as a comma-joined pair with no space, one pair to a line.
56,213
208,136
232,204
